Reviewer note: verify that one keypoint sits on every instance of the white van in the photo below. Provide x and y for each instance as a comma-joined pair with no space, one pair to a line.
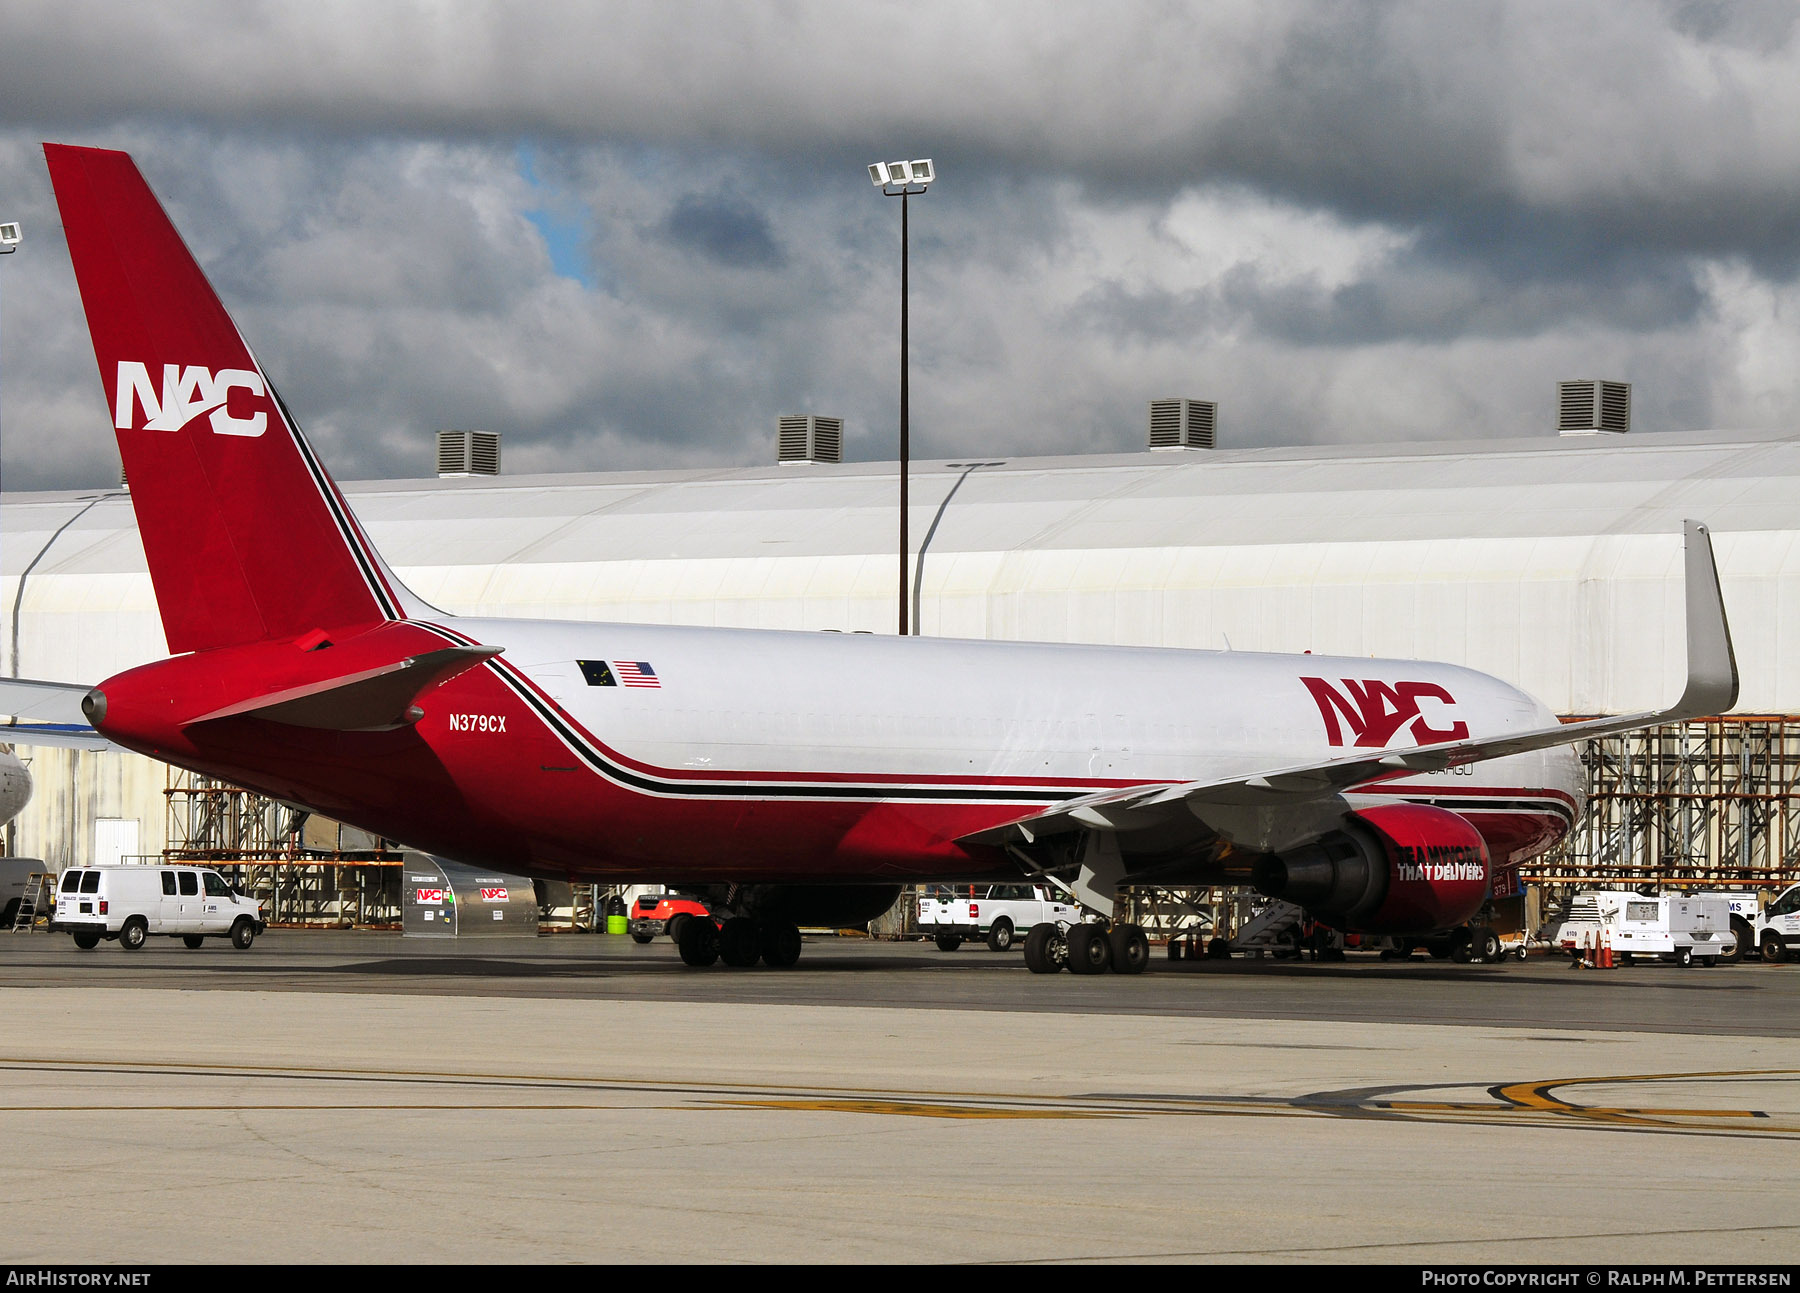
130,903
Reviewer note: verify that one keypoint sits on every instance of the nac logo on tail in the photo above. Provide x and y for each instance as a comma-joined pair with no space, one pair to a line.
1374,711
186,393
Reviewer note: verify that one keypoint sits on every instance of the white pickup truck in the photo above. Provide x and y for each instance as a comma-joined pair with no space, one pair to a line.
1000,913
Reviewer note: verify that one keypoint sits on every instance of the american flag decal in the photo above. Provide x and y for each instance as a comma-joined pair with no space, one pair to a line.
636,673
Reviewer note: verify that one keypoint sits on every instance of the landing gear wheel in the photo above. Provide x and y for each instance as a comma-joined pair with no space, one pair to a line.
948,942
1709,961
676,924
641,939
1484,945
1045,951
1462,946
1090,949
780,945
699,942
740,942
10,916
1000,936
1219,949
1774,951
193,940
133,934
1130,949
87,942
243,933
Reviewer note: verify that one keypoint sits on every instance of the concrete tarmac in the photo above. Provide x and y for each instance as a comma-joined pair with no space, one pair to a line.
368,1098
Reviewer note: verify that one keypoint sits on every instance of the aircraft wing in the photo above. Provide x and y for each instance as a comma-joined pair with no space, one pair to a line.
1270,809
47,713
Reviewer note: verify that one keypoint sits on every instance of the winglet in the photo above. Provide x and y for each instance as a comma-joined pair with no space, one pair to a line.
1712,683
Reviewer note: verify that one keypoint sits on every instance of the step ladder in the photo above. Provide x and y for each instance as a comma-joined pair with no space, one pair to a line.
40,892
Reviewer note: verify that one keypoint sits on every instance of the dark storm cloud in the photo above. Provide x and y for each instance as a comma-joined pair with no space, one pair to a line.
630,235
726,229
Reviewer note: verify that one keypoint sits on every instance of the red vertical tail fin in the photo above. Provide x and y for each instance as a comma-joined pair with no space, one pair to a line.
246,536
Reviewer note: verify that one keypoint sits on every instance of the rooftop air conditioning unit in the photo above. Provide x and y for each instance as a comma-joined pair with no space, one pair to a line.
1587,406
1182,424
808,438
468,453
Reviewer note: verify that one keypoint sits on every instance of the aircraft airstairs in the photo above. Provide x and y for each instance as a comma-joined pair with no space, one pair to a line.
1276,928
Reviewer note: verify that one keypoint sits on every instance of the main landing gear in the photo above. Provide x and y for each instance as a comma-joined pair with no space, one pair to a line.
1086,949
740,941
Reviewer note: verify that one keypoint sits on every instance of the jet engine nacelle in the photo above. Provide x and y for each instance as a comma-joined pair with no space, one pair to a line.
15,786
1395,869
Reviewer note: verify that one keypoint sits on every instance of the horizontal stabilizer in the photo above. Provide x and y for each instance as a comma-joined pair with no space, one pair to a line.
370,700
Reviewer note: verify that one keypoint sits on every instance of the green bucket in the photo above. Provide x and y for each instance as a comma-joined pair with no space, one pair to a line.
615,925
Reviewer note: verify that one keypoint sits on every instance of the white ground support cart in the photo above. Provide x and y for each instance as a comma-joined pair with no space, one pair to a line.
1681,928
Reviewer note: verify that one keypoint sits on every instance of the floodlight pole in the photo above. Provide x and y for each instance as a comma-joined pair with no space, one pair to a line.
9,242
905,407
904,192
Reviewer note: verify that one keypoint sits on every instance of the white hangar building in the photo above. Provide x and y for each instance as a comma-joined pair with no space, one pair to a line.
1552,562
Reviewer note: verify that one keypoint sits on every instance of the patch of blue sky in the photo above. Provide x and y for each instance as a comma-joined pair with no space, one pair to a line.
562,221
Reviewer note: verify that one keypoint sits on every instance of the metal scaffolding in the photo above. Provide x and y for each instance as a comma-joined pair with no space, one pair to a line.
261,842
1710,805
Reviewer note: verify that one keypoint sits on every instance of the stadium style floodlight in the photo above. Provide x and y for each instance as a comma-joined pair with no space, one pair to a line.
902,174
9,238
903,180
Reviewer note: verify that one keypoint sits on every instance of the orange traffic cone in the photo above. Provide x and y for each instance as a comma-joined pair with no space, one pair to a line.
1606,959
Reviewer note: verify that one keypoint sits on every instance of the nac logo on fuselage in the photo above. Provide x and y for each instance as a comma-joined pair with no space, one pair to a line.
187,392
1375,710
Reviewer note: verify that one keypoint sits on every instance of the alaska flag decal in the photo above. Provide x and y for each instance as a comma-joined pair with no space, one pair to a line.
596,673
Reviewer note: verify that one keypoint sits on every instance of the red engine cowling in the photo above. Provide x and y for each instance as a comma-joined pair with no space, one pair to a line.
1395,869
